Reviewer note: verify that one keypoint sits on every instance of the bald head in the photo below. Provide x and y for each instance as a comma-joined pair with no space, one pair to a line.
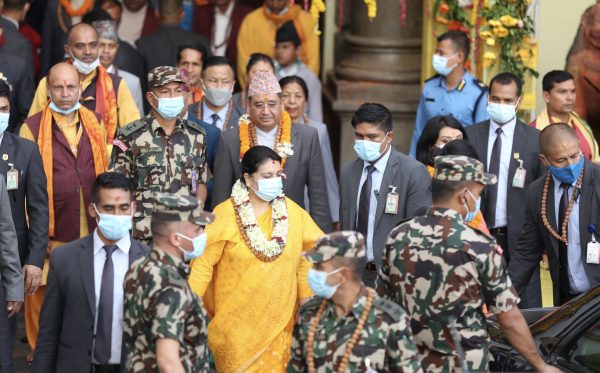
559,146
82,43
63,85
557,135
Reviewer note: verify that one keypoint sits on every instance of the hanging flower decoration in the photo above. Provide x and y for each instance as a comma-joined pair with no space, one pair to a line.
508,28
452,13
316,8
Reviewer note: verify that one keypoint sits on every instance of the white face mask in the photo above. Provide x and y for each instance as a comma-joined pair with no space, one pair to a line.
502,113
84,67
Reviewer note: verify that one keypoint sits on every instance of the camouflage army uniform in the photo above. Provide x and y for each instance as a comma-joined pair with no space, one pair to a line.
160,304
385,343
441,272
156,162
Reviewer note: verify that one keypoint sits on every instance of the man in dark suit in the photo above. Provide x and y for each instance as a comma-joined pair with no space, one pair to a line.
81,320
381,187
28,198
161,47
303,165
13,71
11,278
16,44
509,149
562,200
220,21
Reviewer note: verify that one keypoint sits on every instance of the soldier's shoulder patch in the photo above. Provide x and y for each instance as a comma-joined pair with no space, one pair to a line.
480,84
120,144
390,308
480,234
194,126
132,127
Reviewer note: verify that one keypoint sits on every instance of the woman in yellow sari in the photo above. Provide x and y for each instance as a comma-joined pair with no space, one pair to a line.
252,275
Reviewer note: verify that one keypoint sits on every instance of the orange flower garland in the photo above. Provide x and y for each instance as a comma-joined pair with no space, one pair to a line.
283,140
83,9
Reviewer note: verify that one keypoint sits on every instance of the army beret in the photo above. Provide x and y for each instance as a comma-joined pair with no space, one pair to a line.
343,244
174,207
461,168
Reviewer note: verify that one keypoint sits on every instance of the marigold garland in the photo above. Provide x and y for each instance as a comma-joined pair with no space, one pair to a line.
371,8
283,140
83,9
262,248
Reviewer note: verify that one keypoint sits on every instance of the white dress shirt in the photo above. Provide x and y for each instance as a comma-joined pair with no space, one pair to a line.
508,131
120,258
221,31
376,178
266,138
578,280
207,114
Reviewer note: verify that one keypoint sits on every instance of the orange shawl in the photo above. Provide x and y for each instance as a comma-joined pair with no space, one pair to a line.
293,14
91,126
106,103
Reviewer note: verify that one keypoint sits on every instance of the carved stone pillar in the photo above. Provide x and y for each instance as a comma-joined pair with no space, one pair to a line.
381,62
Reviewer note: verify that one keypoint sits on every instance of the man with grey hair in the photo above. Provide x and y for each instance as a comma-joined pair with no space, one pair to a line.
108,45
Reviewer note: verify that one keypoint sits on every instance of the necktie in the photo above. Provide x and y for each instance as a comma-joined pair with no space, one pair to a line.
492,192
215,119
562,247
105,309
364,202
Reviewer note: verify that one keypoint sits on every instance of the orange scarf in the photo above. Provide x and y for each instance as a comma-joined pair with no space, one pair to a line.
106,103
91,126
196,95
293,14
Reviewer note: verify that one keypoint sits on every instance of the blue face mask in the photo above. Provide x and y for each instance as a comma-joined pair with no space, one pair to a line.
198,246
317,280
169,107
567,174
4,122
471,214
440,64
269,189
368,150
55,108
113,227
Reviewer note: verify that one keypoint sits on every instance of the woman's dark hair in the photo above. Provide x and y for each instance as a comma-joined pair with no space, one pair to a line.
460,147
430,135
255,157
295,79
258,57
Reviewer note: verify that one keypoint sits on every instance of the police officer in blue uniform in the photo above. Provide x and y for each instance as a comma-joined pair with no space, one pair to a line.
453,90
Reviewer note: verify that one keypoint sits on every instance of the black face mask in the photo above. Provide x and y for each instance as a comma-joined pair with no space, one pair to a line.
431,154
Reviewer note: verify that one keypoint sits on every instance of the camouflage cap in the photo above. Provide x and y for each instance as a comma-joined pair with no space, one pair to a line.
173,207
461,168
162,75
344,244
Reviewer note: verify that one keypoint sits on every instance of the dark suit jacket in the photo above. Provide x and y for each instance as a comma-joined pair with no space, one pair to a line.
160,48
413,187
204,19
535,237
53,37
17,45
66,333
213,137
22,89
129,59
30,200
304,169
526,143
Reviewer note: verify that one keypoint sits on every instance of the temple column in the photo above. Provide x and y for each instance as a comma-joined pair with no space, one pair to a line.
381,62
